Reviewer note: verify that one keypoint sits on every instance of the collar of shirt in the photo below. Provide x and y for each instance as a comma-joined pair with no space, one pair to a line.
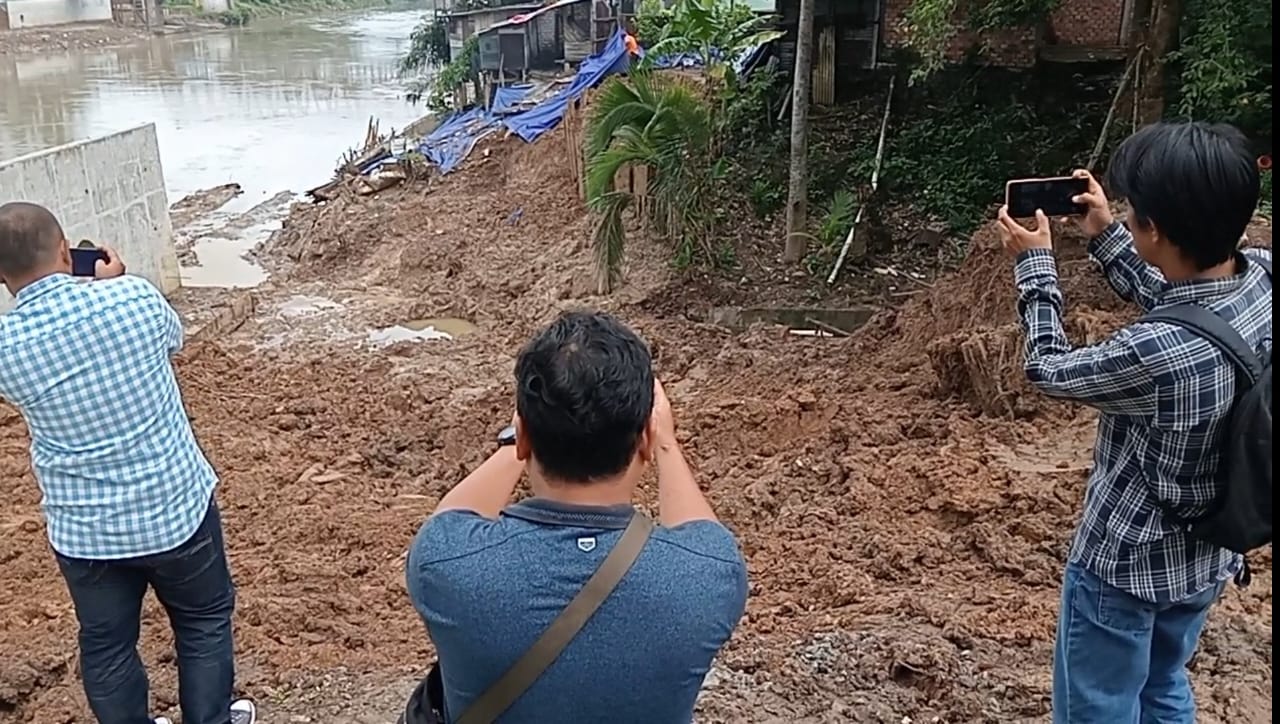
1195,290
553,512
42,286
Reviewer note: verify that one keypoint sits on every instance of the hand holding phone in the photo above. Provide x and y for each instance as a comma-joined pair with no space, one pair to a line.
96,262
1053,196
1097,216
84,261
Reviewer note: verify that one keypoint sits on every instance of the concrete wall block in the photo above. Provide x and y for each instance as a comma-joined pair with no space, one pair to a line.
109,190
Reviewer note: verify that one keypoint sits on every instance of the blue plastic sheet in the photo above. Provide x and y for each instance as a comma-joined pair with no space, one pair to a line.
507,97
536,121
450,144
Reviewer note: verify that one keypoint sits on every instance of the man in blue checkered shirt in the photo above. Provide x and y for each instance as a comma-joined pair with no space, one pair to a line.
128,495
1138,589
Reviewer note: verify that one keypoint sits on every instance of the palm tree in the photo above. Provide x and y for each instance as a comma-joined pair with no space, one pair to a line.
664,125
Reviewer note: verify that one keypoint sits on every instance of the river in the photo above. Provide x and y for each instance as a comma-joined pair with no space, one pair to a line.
270,106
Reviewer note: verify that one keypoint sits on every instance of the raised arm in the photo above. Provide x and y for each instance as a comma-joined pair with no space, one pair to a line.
1111,246
679,498
1108,376
1132,278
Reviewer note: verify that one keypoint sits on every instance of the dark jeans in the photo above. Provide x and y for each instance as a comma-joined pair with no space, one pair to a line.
1121,660
193,583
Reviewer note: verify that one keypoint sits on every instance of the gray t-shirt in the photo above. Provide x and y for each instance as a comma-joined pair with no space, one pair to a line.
488,588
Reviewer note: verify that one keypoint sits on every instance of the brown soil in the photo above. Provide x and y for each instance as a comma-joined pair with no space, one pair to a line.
905,549
61,38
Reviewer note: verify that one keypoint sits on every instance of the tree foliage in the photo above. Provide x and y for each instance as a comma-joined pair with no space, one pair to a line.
662,124
716,30
437,89
428,46
1224,63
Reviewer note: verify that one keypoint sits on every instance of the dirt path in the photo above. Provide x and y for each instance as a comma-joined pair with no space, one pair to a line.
905,551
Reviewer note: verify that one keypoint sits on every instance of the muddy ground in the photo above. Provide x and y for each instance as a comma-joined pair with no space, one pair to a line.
904,504
75,36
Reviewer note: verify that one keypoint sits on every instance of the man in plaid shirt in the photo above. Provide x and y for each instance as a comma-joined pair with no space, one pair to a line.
1138,589
128,496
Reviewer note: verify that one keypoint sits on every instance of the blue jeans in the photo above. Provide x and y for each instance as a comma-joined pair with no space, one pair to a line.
1121,660
193,583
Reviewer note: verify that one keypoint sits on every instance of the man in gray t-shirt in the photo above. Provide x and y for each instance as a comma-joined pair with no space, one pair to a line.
489,578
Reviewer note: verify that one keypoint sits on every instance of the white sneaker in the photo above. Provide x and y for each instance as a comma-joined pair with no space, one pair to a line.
244,712
162,720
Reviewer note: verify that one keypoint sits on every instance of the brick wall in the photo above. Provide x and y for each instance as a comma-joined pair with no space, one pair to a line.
1075,22
1090,23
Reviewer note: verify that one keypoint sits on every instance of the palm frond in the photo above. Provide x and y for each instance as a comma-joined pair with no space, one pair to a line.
610,239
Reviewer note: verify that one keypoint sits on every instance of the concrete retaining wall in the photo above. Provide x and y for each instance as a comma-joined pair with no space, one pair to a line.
32,13
109,190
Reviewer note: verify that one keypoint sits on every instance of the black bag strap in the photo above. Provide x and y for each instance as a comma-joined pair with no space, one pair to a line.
1212,328
1215,330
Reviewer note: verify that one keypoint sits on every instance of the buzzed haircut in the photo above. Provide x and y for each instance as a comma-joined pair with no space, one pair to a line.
29,236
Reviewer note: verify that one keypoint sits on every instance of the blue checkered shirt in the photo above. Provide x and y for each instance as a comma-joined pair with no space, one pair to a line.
1164,395
88,366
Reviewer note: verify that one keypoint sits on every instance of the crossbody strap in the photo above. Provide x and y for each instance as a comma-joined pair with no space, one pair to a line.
516,680
1212,328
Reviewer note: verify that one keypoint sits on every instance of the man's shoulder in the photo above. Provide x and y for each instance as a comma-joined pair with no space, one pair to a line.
455,534
706,541
126,288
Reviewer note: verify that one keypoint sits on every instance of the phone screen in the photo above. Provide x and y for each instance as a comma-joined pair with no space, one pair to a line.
84,262
1050,195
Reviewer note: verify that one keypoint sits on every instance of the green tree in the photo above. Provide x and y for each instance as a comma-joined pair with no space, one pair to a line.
661,124
1224,63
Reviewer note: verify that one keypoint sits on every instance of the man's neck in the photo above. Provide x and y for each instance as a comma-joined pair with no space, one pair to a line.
1187,272
604,493
17,285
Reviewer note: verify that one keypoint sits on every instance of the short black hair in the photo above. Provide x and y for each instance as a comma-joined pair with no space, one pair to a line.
1196,182
29,234
584,394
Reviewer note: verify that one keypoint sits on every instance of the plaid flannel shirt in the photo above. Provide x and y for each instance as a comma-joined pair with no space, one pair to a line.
1163,394
88,366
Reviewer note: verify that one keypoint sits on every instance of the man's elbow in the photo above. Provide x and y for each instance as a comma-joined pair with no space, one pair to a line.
1044,378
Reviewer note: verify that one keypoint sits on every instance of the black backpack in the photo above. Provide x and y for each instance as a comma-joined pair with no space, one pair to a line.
1240,517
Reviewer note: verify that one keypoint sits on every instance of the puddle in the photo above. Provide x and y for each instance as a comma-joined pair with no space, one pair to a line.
451,326
422,330
223,264
303,306
227,239
392,335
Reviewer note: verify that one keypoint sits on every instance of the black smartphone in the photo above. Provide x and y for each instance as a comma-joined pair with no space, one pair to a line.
1050,195
84,261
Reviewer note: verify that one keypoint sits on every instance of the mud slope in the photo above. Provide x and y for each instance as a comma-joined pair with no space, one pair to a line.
905,549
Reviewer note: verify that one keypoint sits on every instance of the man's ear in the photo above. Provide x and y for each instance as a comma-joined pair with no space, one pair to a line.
523,449
64,253
646,450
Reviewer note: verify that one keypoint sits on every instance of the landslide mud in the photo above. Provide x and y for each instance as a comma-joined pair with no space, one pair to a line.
905,526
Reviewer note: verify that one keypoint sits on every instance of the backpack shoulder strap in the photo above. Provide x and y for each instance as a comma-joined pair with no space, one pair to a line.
1213,329
516,680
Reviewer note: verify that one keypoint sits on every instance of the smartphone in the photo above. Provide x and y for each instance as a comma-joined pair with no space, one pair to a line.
1050,195
84,261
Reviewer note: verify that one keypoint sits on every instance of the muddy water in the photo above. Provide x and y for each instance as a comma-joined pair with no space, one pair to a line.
270,106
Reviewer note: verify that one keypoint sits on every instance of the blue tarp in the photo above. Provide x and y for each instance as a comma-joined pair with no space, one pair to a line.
452,141
449,144
746,60
506,98
546,115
